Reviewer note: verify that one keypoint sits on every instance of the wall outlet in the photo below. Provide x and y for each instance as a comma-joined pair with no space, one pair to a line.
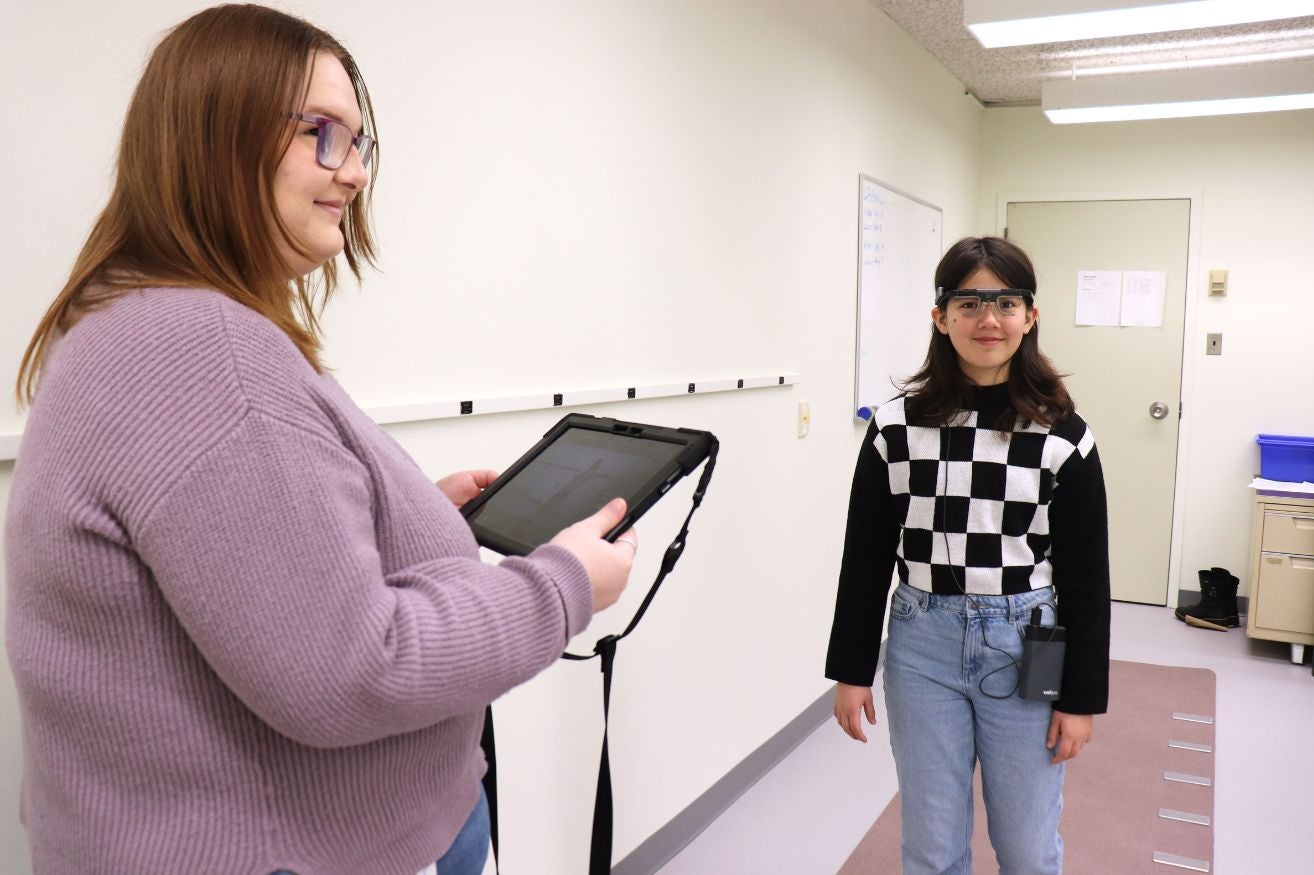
804,418
1214,344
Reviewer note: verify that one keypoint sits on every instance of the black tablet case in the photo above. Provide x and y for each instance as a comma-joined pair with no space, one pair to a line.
580,464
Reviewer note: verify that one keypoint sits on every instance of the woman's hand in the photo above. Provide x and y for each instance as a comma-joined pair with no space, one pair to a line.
608,565
1068,734
465,485
850,703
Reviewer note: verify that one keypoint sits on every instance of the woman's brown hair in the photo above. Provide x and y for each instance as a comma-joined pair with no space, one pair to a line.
202,139
940,390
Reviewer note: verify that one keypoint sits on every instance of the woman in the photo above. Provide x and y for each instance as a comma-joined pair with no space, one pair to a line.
983,486
248,635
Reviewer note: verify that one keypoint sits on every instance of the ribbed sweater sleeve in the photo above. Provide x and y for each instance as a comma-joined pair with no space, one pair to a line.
1079,554
870,538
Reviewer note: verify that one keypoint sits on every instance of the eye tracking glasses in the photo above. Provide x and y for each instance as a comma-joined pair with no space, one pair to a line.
971,303
334,141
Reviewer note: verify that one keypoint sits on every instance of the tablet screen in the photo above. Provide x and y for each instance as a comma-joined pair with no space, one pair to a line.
571,479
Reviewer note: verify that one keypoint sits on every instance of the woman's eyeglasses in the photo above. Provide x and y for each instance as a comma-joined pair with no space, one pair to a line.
971,303
334,141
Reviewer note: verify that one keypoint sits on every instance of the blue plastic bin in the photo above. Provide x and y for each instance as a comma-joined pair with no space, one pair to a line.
1286,457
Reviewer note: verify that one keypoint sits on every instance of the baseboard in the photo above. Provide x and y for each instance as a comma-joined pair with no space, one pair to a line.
662,846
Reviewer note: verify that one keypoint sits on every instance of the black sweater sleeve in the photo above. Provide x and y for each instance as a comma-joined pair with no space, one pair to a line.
1079,554
870,540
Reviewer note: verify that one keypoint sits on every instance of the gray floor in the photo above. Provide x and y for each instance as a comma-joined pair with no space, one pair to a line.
808,813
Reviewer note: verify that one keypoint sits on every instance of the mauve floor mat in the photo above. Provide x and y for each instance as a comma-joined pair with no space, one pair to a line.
1115,789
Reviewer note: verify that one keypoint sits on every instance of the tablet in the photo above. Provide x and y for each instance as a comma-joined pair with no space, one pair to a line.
578,466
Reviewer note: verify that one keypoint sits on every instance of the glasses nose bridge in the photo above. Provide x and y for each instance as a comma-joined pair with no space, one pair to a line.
998,312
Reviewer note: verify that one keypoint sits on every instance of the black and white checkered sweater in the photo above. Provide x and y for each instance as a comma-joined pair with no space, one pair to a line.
995,512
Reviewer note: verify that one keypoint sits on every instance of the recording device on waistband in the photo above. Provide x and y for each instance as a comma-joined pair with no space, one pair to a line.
1042,659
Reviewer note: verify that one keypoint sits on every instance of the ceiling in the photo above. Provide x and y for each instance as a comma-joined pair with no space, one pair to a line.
1013,76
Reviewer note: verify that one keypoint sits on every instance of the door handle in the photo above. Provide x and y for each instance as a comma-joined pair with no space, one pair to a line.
1159,410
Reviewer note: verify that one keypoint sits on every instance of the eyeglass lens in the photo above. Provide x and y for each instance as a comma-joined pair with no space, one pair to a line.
335,142
1006,306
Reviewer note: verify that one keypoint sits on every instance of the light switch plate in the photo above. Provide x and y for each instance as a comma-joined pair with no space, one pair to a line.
1214,343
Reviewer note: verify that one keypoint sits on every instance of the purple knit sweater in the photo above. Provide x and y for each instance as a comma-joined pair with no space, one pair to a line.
248,633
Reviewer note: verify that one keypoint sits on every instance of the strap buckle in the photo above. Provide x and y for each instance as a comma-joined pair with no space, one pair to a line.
606,649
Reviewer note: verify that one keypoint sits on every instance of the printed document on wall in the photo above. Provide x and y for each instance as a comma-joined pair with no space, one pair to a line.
1099,296
1142,298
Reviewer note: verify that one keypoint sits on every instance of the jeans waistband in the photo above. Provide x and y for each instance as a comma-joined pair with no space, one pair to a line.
1014,607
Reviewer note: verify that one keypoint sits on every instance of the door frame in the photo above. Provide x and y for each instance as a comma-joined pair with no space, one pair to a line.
1190,329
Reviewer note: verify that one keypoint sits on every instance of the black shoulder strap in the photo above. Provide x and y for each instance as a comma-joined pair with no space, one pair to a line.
489,744
605,649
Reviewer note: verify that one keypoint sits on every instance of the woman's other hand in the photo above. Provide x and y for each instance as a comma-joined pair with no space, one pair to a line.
465,485
608,565
1068,734
850,704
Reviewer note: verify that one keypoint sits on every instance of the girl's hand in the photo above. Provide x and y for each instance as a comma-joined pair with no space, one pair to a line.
850,702
465,485
1068,734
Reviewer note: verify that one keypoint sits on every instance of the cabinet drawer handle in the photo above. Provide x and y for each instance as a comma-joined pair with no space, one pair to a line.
1297,561
1303,520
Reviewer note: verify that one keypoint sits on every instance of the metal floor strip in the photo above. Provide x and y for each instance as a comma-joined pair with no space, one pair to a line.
1193,718
1188,779
1181,862
1191,745
1184,816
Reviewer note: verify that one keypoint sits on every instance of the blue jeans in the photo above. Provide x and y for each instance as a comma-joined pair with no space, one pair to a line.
951,701
469,850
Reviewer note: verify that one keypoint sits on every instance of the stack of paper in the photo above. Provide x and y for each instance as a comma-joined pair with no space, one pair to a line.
1302,488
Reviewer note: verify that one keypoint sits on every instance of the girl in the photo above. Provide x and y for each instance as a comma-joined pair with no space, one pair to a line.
248,634
982,485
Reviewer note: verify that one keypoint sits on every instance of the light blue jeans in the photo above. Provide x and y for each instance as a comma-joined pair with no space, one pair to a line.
469,851
942,677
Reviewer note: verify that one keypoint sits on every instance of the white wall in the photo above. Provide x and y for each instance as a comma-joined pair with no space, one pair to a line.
1254,176
581,192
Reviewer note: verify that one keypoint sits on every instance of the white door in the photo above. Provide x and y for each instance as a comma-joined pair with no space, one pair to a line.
1120,377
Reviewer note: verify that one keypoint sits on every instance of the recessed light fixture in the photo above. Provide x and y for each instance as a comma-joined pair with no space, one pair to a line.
1180,93
997,23
1187,64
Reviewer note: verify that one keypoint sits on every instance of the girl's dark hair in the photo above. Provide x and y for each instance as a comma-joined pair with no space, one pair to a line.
940,390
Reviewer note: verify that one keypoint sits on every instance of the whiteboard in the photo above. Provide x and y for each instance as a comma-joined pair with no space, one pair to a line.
899,246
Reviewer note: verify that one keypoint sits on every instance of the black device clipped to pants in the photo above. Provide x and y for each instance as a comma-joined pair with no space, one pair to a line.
1042,659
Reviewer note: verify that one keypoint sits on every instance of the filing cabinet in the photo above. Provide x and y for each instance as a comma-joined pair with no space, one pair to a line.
1282,572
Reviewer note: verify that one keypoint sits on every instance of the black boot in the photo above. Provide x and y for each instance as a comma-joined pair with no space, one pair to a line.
1206,579
1217,607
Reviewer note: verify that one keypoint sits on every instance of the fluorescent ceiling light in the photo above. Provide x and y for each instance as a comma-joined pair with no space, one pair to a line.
997,23
1190,63
1180,93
